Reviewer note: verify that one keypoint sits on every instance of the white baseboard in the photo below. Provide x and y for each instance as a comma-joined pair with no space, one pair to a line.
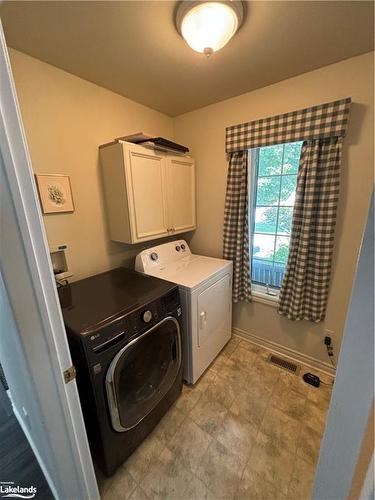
285,351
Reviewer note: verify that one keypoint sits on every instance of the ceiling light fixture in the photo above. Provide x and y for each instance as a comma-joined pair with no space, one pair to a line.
208,26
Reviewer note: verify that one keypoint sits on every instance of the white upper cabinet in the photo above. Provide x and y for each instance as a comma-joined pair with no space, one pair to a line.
148,194
181,193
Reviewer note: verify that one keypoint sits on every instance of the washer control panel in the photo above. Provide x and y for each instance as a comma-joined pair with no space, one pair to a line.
147,316
122,330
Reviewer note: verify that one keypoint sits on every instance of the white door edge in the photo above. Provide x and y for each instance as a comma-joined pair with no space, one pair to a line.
18,171
36,453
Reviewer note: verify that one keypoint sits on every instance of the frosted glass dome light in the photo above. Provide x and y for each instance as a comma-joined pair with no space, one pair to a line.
208,26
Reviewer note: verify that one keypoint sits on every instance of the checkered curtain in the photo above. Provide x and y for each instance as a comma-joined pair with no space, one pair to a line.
304,291
305,286
318,122
236,226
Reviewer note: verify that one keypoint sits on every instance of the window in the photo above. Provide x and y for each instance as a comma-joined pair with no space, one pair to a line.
272,193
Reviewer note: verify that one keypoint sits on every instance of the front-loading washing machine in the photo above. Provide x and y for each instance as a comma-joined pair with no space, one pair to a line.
205,285
125,335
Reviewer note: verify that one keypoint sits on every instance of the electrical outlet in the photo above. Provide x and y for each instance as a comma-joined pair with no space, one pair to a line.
328,342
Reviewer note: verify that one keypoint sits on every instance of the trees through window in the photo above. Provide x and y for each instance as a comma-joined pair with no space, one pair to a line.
272,195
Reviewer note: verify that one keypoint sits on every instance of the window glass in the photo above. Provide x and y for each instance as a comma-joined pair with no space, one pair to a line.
268,189
284,223
292,152
281,249
270,160
264,246
273,197
265,219
288,190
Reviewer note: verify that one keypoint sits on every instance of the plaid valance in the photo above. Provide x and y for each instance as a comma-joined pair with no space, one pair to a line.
319,122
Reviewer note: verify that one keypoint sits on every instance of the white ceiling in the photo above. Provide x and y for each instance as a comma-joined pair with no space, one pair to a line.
132,47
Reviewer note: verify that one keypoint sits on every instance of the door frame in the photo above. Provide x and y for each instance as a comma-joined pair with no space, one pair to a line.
346,438
59,409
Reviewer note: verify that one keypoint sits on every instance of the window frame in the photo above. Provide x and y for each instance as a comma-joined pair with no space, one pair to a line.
260,292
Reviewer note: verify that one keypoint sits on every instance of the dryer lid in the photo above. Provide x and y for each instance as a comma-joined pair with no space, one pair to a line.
191,271
174,262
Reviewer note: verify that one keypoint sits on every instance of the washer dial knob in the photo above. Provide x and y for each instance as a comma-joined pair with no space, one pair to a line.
147,316
154,256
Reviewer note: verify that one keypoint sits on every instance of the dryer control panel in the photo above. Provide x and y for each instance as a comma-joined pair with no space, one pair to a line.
159,256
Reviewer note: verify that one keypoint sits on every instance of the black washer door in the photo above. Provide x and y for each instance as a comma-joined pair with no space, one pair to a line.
142,373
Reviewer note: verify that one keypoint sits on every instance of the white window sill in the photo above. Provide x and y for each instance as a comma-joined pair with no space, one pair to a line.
263,297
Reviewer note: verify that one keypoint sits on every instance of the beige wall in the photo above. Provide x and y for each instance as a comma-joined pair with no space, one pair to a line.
204,132
66,118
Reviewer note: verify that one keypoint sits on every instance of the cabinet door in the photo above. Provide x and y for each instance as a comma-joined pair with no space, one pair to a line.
146,184
181,194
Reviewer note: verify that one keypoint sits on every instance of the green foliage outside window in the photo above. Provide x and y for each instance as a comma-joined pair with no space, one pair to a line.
275,193
268,190
292,153
270,160
281,254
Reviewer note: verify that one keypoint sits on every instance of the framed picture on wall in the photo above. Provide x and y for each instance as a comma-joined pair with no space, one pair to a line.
55,193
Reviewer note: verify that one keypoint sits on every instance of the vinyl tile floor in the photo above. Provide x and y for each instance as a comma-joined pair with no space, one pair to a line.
246,430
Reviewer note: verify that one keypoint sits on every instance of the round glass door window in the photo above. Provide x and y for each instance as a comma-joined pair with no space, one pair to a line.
142,373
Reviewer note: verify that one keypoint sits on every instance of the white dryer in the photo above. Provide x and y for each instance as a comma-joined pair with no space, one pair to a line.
206,295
